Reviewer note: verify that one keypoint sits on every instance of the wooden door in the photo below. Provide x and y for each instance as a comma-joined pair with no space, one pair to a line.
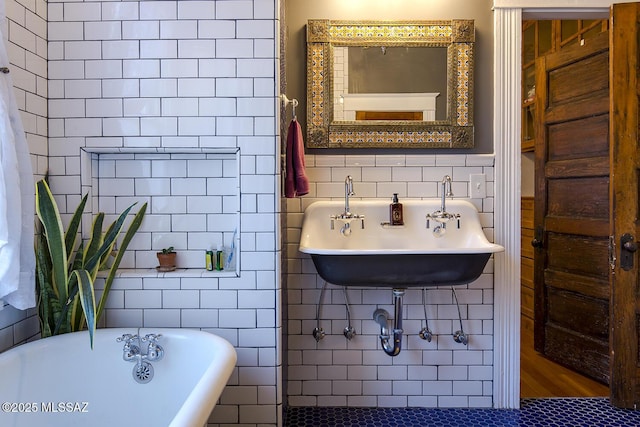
571,287
625,163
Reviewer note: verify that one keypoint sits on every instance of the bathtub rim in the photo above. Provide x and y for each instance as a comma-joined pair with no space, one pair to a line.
202,398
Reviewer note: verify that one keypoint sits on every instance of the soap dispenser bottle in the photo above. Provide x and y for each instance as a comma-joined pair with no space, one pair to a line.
395,211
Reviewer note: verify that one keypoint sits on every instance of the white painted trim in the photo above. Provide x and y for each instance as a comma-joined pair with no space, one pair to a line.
506,133
507,125
425,102
554,4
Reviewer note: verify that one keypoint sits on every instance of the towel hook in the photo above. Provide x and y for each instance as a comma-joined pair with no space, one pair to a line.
294,103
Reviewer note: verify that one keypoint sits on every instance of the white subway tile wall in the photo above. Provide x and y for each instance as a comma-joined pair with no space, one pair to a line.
339,372
174,103
185,194
139,84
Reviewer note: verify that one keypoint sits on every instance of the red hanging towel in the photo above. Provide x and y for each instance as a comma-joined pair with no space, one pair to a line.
296,182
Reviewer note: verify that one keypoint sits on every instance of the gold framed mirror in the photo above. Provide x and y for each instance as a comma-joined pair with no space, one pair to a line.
347,110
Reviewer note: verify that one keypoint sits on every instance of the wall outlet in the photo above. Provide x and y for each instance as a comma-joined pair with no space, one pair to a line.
477,186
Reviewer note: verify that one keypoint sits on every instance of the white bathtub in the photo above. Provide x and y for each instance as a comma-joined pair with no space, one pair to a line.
60,381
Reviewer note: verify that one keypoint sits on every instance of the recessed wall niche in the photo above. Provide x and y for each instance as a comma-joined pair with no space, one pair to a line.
193,201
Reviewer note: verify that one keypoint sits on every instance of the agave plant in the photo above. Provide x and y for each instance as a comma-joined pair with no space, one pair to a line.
66,270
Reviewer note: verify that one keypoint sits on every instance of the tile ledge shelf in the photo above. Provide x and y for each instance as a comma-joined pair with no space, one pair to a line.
178,272
160,150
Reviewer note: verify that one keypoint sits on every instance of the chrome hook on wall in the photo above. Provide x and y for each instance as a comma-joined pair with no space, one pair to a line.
294,103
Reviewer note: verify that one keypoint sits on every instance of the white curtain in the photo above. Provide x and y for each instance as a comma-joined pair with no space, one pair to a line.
17,258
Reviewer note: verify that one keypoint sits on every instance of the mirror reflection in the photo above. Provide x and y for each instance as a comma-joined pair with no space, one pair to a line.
390,84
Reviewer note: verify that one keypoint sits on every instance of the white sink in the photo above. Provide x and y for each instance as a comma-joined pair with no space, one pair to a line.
410,255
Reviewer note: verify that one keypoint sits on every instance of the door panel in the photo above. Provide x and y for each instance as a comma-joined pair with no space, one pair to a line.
572,208
588,316
567,196
565,87
572,140
580,107
588,286
625,306
578,167
579,255
562,345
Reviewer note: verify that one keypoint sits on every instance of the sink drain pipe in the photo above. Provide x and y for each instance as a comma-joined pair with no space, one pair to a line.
391,346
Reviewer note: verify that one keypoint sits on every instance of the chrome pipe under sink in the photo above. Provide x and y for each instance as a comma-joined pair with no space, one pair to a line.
391,346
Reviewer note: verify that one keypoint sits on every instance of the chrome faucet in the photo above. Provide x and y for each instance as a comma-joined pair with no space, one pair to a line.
442,216
131,352
346,217
154,351
348,191
446,191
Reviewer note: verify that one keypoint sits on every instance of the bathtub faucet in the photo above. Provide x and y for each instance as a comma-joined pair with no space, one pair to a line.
154,351
131,352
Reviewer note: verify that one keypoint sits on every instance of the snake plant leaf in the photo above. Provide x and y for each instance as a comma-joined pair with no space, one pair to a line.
73,310
77,317
71,235
64,316
77,258
57,317
109,252
108,240
95,241
43,286
88,300
65,274
49,216
133,228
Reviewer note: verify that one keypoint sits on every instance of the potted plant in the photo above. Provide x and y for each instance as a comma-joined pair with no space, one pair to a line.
166,259
66,272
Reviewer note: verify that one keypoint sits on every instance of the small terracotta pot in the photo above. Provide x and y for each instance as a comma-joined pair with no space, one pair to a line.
167,261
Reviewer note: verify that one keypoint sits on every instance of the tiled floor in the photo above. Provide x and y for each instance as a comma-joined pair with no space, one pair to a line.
561,412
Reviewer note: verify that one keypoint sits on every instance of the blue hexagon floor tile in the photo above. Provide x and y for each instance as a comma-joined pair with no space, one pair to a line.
557,412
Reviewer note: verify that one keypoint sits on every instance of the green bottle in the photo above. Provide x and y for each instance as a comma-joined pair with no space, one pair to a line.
219,258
